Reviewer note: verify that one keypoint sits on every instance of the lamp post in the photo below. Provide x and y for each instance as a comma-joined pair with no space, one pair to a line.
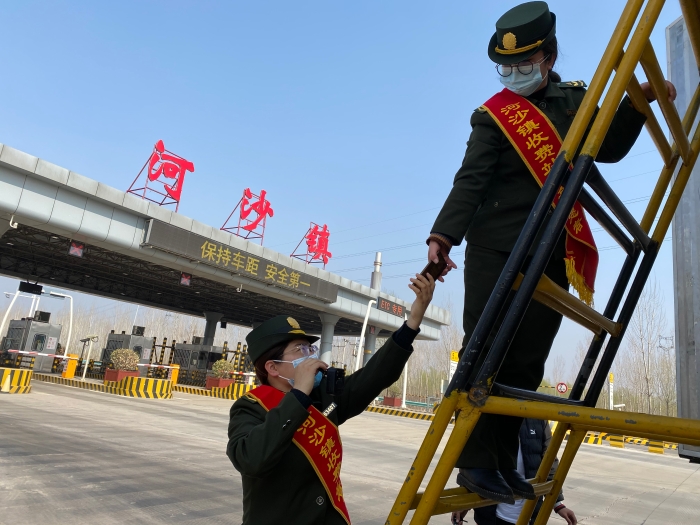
35,306
7,313
70,319
89,338
361,350
405,375
32,308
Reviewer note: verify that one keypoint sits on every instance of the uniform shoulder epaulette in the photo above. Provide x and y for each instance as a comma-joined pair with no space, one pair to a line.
480,109
572,84
249,398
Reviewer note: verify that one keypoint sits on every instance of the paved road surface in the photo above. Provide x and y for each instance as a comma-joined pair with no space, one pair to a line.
75,457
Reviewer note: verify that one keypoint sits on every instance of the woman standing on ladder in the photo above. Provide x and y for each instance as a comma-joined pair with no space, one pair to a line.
515,138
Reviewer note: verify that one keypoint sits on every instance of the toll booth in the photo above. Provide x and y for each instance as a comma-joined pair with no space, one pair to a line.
241,361
35,334
135,341
196,361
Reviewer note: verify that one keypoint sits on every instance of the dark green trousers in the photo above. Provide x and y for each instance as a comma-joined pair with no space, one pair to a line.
494,441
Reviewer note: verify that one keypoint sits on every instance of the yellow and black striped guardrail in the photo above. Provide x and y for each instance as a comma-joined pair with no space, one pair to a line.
593,439
400,412
15,380
233,391
615,440
144,387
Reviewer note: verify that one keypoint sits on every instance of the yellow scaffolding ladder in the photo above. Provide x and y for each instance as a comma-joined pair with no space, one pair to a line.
483,395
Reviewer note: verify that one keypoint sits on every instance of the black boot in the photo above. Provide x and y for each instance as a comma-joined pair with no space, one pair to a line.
519,485
487,483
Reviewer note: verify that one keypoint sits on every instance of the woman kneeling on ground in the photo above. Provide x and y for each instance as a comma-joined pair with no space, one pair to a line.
283,435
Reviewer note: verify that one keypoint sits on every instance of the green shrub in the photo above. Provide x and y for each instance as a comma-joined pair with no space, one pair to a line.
125,359
222,369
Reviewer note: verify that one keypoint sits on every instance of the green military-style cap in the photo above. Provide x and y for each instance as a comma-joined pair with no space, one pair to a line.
521,32
273,332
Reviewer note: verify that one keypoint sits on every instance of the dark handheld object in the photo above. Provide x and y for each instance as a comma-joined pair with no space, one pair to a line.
335,381
435,269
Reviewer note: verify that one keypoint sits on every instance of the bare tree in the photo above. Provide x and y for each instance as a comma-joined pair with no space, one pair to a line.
666,375
558,367
646,327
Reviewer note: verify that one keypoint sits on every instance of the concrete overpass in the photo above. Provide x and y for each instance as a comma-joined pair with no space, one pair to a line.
136,250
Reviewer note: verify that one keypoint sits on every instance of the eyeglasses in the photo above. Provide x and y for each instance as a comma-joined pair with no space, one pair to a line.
305,350
525,67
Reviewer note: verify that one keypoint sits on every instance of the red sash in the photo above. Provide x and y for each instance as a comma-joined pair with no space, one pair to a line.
318,438
537,142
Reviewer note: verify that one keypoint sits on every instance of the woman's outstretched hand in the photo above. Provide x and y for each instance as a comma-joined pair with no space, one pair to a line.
423,287
651,96
433,249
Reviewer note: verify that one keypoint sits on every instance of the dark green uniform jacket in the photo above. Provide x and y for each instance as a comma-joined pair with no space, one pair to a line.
493,191
280,487
492,196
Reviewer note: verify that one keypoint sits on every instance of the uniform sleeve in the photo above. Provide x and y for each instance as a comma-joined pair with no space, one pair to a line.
361,387
623,133
624,130
472,180
257,441
547,438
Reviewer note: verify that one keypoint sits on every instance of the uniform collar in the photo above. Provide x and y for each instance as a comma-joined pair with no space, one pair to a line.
552,90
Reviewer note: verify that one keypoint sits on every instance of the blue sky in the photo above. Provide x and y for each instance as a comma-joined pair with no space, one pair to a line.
352,114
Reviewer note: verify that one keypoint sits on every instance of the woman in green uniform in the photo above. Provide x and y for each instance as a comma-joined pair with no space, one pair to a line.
491,198
283,435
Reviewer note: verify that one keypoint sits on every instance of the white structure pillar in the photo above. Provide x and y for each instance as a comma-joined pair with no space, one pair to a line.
686,245
328,322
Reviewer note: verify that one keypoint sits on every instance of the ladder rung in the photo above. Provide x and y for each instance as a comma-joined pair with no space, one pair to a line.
566,312
658,85
598,213
551,294
598,184
634,90
459,498
529,395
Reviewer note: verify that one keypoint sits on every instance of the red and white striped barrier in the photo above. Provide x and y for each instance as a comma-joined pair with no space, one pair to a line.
154,366
26,352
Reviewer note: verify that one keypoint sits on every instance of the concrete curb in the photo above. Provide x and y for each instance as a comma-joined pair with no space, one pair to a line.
142,387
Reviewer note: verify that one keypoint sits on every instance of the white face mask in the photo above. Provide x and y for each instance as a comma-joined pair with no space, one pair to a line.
317,378
524,85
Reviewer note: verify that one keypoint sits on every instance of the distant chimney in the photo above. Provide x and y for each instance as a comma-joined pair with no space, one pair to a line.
376,281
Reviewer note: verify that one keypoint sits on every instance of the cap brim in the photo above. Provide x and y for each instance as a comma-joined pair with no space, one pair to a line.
499,58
